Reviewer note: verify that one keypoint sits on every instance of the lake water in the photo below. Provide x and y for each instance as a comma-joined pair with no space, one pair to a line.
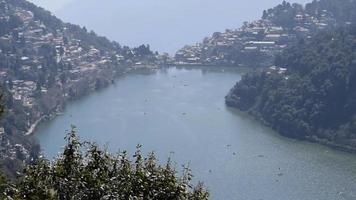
181,113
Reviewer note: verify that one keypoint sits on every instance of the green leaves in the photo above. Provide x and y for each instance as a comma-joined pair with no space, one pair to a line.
97,174
315,97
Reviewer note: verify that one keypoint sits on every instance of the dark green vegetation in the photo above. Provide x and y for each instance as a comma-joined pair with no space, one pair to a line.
257,43
333,12
97,174
342,10
44,63
310,94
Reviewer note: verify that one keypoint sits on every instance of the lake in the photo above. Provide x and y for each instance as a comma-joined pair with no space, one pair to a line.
180,112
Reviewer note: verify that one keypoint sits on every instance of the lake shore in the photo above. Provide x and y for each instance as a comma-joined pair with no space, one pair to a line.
183,111
33,127
313,139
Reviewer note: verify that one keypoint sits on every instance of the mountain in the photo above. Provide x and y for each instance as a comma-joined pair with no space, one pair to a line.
165,25
258,42
310,93
44,64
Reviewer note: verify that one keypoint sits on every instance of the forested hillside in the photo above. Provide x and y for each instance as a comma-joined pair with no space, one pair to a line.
310,93
45,62
256,43
342,10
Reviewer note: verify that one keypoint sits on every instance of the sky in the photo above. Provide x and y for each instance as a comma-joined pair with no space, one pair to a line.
52,5
166,25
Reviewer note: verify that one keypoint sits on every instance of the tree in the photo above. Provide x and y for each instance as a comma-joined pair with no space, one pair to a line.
97,174
265,14
315,97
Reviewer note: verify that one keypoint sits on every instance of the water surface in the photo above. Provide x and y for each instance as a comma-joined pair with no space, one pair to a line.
181,113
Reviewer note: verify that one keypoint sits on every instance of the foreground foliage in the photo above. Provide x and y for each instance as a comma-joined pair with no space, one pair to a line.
315,97
97,174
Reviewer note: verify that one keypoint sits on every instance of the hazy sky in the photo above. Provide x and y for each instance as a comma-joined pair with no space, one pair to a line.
52,5
166,25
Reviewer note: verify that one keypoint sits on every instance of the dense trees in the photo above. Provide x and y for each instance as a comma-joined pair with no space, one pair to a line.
315,98
7,25
283,14
342,10
97,174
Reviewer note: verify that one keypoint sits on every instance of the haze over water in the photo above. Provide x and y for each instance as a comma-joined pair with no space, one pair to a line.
181,113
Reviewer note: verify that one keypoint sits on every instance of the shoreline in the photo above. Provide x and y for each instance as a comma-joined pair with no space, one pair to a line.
34,125
312,139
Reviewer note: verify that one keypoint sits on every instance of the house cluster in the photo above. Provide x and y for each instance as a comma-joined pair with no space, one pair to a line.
23,91
261,37
276,70
46,62
12,150
32,37
36,48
